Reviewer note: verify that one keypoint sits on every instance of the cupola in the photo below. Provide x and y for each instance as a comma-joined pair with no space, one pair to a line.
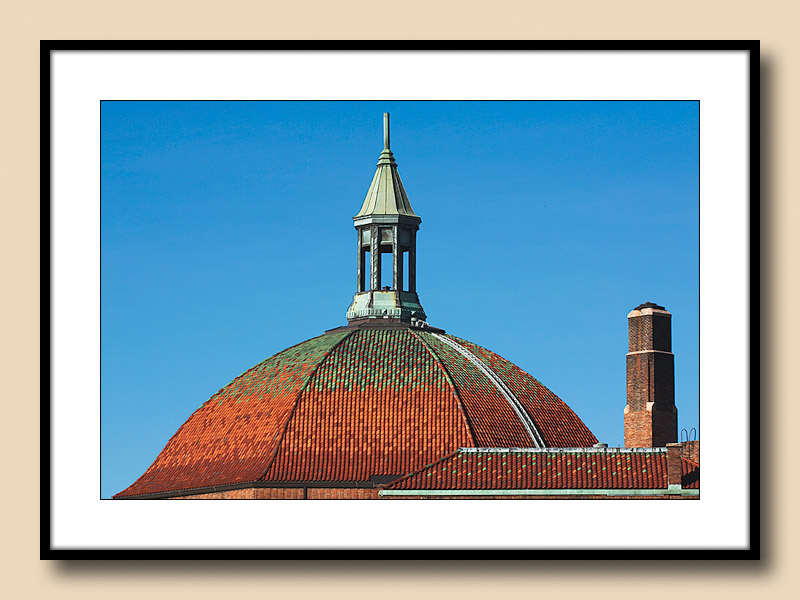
386,228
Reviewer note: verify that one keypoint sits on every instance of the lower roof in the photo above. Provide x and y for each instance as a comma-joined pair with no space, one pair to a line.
549,469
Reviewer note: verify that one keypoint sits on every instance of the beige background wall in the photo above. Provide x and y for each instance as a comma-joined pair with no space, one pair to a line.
23,24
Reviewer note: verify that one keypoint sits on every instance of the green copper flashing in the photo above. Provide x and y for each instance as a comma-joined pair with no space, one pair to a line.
386,304
543,492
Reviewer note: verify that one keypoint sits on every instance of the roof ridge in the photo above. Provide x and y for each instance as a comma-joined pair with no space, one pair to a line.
462,408
298,396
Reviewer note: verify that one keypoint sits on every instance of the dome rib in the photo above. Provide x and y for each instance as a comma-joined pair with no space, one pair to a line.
558,423
298,397
496,424
525,417
467,420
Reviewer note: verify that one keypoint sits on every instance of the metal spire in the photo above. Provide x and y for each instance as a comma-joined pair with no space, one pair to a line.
386,195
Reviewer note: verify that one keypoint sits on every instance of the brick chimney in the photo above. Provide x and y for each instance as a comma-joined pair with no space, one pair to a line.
651,418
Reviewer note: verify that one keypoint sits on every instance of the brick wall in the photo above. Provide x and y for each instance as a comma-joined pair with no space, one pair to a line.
638,429
651,427
649,329
650,378
691,451
286,494
214,496
342,494
665,426
674,464
278,493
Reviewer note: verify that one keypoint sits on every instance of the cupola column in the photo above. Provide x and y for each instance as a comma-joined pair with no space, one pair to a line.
412,262
397,261
360,263
375,257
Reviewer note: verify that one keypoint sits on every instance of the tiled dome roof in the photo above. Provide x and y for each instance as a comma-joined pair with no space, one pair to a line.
359,406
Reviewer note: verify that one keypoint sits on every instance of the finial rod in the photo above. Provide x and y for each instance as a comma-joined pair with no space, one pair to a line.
385,131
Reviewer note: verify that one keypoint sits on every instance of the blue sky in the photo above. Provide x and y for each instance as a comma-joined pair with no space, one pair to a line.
226,236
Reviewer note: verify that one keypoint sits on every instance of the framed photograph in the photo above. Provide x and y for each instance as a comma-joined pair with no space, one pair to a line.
549,299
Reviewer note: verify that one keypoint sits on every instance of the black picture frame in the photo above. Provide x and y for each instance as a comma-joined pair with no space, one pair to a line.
48,552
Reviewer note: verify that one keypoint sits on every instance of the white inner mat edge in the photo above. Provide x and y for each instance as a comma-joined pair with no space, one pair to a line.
506,392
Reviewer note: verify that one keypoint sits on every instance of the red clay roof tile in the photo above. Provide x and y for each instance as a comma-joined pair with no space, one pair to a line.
690,474
579,468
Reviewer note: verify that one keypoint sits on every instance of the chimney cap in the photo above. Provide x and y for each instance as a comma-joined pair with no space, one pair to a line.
649,305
